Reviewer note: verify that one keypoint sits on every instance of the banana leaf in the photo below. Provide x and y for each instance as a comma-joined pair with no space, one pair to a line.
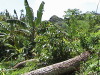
40,13
29,13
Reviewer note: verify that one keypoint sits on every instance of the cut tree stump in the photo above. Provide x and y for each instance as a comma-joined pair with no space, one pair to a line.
62,67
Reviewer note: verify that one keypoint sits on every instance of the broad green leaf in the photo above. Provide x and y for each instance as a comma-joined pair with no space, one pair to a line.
40,13
2,35
29,13
23,32
15,14
17,22
9,45
7,14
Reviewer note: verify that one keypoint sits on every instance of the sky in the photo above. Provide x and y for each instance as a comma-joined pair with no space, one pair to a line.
51,7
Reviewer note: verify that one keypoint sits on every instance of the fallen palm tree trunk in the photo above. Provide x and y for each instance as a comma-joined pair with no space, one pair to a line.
62,67
22,64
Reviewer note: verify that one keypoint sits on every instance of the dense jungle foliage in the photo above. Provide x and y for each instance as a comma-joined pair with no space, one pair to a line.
52,41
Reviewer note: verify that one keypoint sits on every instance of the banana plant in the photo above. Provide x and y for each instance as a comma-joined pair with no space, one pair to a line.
33,23
16,32
28,27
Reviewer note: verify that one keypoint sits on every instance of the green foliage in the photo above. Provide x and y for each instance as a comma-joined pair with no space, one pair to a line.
30,17
50,41
5,71
39,13
29,13
16,35
51,47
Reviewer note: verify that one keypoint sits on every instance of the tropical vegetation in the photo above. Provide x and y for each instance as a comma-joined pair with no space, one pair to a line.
49,41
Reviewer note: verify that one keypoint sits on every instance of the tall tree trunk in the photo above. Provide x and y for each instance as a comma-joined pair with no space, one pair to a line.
62,67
